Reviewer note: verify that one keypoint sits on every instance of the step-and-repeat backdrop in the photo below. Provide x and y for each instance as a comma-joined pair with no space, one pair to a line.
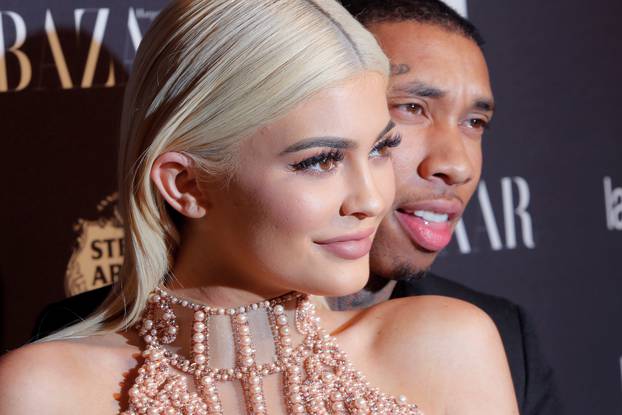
544,229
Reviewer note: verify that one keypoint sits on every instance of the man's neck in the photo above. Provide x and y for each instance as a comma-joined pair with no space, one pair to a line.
377,290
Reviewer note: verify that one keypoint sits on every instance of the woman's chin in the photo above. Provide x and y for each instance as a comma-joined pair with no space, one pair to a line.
339,285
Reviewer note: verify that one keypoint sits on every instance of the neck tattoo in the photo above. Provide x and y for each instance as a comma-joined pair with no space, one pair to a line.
313,376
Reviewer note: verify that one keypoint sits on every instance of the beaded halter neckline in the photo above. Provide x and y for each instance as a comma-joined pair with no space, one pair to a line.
315,375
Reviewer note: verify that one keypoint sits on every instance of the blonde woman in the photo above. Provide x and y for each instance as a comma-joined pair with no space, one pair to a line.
254,171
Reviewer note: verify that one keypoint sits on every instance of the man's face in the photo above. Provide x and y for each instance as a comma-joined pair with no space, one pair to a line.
441,100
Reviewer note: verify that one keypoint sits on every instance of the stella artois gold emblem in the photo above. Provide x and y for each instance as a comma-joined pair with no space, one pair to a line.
98,254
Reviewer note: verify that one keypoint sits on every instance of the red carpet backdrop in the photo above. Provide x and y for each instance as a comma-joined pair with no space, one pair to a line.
544,229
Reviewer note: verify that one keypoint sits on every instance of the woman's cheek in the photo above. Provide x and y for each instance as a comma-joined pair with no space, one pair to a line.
303,208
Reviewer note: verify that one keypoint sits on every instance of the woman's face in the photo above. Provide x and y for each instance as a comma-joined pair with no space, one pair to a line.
308,195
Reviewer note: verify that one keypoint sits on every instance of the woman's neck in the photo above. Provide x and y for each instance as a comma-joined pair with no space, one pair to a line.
211,279
219,296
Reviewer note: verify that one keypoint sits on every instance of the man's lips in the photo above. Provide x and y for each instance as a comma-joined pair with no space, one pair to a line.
351,246
430,223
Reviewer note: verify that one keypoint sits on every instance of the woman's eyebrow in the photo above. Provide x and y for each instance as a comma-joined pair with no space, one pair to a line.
327,141
331,141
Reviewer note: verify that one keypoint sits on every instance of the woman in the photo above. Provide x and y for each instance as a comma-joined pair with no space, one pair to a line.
255,165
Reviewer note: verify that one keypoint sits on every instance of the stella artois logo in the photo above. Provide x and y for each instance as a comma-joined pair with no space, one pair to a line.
98,254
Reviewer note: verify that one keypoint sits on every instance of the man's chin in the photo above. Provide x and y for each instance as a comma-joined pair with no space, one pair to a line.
403,266
405,272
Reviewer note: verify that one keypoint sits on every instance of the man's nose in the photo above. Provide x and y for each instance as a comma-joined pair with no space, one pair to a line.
446,158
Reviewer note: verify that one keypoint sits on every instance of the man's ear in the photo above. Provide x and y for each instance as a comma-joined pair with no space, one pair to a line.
176,177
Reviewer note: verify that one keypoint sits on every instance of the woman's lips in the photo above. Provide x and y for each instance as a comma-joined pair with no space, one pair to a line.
351,246
428,235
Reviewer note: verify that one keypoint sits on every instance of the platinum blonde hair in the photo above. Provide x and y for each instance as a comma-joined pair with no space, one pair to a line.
207,74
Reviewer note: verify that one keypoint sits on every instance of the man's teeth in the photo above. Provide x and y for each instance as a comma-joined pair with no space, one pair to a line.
431,216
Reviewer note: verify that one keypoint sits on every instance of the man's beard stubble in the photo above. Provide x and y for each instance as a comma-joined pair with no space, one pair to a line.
405,272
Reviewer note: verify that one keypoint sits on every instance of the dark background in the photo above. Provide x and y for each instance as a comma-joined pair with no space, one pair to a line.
555,68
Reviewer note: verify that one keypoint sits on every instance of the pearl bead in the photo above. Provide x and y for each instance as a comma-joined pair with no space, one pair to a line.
360,403
336,396
338,406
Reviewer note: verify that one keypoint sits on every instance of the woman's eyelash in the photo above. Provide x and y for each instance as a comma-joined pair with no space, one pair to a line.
390,141
337,155
333,155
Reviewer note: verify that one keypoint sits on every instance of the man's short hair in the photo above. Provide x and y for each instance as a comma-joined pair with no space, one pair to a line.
433,12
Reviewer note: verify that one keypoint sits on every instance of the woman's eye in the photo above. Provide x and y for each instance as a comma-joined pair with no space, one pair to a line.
326,165
383,148
322,163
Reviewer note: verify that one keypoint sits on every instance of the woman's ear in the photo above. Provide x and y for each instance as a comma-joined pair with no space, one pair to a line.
176,177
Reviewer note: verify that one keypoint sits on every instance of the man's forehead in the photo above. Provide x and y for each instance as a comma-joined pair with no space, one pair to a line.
426,45
430,61
421,36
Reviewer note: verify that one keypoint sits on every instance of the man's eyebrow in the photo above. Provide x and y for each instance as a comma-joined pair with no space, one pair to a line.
331,142
484,104
419,89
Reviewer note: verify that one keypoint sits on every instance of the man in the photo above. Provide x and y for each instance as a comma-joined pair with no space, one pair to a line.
440,98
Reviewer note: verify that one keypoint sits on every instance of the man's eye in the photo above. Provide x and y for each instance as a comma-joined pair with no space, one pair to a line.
412,108
477,123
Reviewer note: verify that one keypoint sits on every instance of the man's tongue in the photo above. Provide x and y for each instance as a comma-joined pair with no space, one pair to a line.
431,231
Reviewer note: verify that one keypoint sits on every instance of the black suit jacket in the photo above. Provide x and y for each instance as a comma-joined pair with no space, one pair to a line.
533,379
532,376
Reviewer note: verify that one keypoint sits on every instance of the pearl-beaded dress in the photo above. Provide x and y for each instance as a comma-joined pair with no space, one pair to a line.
312,377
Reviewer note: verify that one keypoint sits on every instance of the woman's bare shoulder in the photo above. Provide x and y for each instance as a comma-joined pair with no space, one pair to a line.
56,374
445,347
435,316
434,326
